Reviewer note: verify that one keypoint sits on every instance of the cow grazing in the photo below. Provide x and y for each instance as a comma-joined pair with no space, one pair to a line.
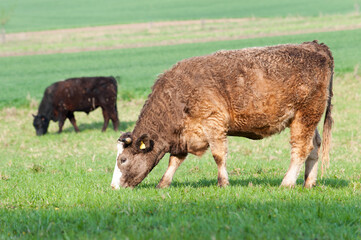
252,93
63,98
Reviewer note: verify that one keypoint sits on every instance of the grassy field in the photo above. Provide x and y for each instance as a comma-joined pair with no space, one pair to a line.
170,33
42,14
25,78
58,186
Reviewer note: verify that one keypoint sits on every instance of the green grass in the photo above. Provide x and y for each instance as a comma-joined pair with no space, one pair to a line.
42,14
137,69
58,186
169,33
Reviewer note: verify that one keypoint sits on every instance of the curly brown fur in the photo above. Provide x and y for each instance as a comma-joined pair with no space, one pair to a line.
253,93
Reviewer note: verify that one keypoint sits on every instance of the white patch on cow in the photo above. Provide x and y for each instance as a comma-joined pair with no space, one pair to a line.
117,174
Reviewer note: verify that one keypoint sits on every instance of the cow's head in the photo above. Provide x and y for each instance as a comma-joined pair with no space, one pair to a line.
40,124
135,159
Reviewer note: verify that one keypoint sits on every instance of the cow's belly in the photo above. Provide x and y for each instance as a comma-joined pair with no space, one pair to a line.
79,106
260,124
85,109
260,110
250,135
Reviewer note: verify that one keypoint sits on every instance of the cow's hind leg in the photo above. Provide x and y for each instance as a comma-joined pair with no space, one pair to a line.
115,123
115,119
302,132
106,118
174,163
71,117
311,164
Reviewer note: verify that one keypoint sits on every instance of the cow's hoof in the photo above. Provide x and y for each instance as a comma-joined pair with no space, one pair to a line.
115,187
288,185
162,185
223,183
309,184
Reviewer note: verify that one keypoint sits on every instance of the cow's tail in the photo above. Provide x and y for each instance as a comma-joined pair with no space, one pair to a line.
326,135
116,94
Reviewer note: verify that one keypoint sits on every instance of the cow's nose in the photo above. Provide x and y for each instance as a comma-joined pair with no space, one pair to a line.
115,187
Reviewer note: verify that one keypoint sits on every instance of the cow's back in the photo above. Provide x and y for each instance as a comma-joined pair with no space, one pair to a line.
85,94
257,90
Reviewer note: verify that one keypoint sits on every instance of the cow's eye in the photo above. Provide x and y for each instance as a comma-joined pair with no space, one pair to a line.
123,160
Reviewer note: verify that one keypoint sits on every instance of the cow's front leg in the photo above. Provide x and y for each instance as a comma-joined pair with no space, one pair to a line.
219,151
61,122
174,163
73,121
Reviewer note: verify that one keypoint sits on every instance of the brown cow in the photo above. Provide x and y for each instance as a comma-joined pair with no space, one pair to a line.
62,99
252,93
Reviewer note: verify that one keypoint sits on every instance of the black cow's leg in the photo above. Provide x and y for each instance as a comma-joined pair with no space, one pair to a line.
73,121
106,119
174,163
115,121
61,122
115,118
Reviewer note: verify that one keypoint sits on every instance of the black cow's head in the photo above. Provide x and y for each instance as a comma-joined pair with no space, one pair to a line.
40,124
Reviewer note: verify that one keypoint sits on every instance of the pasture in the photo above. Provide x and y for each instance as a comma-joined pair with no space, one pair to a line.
137,68
58,186
43,15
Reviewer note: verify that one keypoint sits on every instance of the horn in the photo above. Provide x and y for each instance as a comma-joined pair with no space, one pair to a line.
127,140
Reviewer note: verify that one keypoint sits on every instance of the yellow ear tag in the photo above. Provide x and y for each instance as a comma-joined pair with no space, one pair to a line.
142,145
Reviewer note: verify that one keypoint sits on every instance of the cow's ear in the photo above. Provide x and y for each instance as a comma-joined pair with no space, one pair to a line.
126,138
34,116
144,144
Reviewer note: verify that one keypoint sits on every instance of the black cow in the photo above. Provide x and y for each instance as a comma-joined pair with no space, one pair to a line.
85,94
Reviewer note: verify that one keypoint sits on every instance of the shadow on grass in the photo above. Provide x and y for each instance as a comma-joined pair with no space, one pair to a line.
335,183
249,218
123,126
272,182
213,182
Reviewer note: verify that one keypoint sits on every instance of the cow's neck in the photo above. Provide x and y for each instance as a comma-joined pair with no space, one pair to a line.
159,117
45,108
